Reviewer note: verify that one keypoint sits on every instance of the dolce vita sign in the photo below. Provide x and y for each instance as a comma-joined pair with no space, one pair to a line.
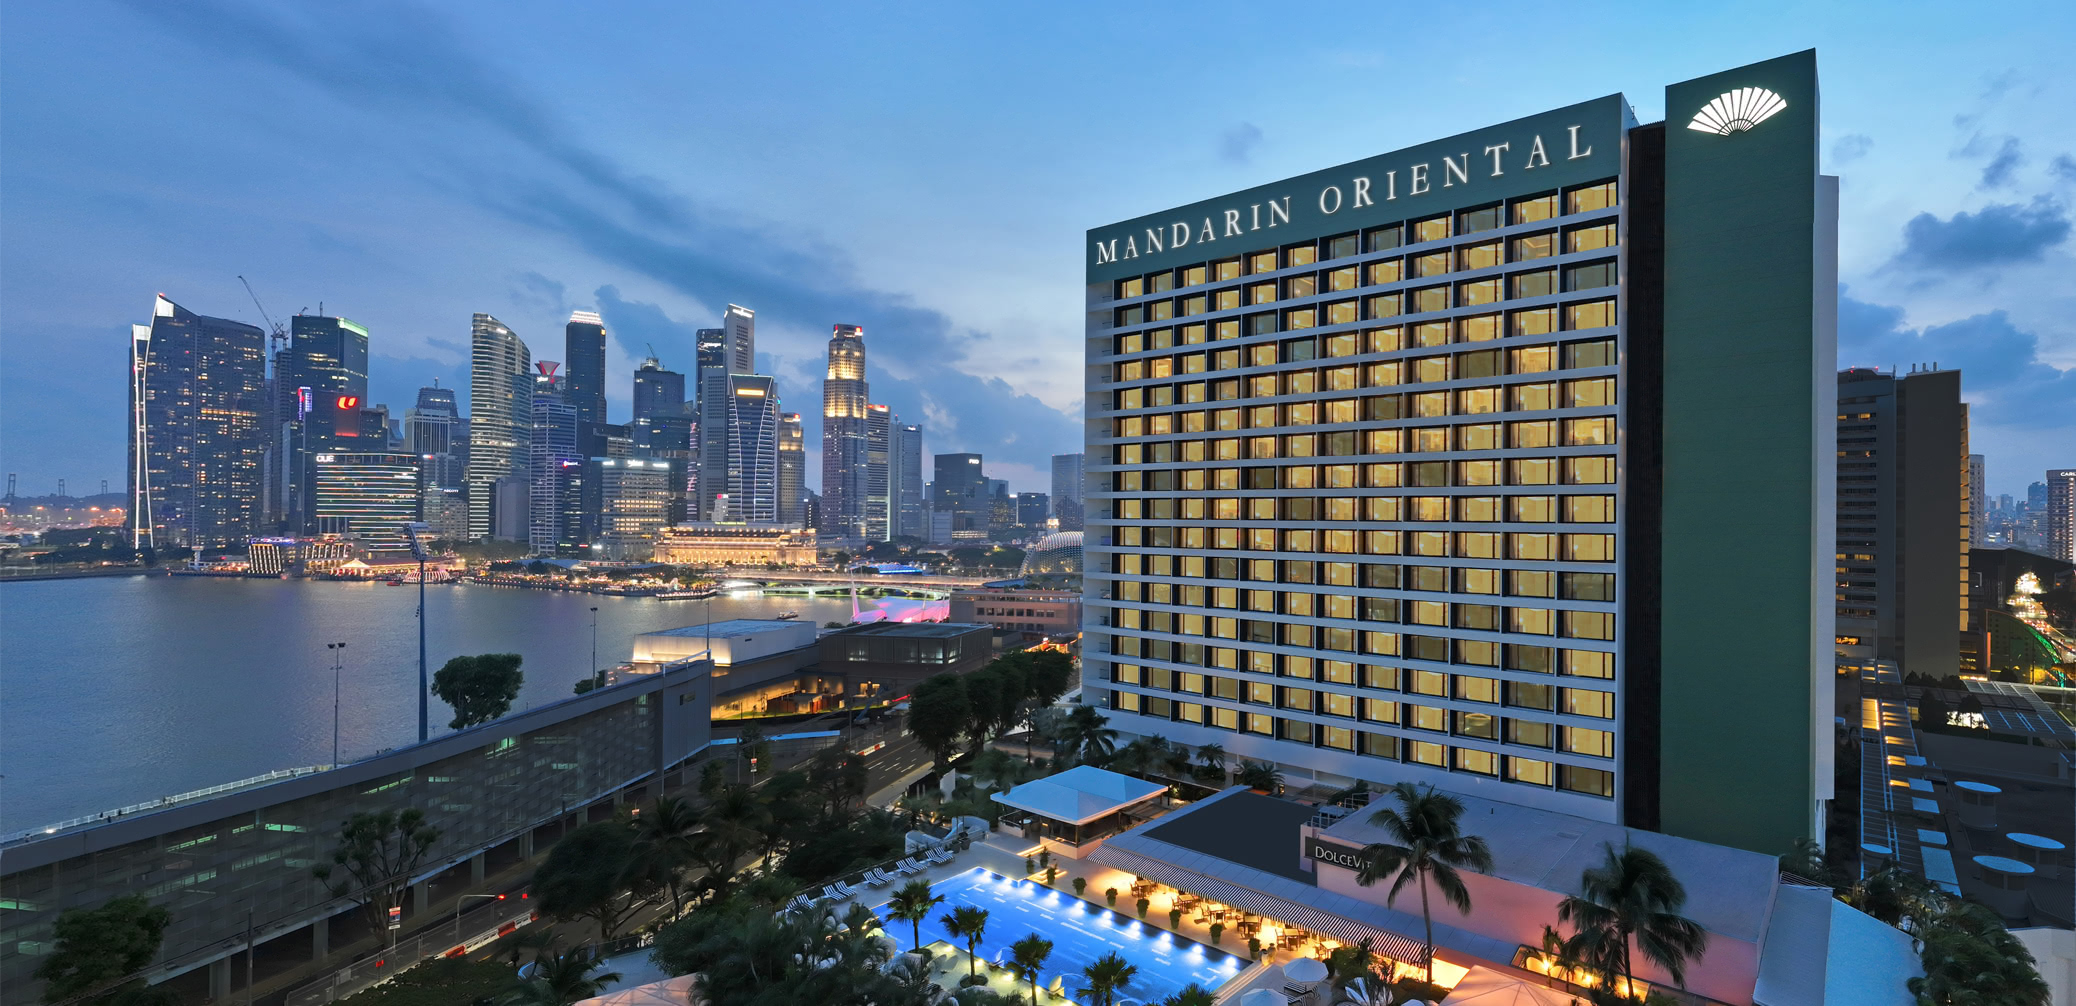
1567,146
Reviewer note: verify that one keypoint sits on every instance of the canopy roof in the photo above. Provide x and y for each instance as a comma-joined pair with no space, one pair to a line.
1080,795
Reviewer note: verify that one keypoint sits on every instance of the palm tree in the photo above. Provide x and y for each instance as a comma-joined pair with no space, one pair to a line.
732,821
1632,897
912,904
562,979
1191,995
1895,896
513,946
911,982
1427,844
1213,757
1970,957
967,923
1105,977
1089,739
668,835
1026,957
1261,776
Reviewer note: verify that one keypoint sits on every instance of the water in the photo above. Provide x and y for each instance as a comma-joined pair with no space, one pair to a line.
118,690
1080,933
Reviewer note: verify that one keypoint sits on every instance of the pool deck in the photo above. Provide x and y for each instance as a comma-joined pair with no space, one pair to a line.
1003,854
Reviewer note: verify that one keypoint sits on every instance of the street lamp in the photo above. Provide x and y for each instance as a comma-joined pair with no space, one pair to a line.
338,656
463,900
424,685
593,675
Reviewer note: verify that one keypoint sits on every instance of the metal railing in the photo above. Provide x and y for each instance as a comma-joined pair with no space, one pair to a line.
464,934
161,803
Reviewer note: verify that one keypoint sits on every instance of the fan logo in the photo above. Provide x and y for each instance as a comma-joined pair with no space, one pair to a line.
1737,111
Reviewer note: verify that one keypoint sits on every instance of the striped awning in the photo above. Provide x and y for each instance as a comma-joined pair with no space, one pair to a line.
1346,930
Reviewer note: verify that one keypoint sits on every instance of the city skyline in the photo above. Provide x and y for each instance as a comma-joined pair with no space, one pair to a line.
1970,174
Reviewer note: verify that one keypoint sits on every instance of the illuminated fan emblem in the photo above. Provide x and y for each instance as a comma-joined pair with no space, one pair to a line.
1737,111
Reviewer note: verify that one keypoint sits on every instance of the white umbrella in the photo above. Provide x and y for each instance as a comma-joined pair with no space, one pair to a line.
1262,997
1305,970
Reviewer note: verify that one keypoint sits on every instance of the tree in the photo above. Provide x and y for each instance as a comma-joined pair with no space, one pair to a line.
1262,776
480,688
379,852
96,948
1631,898
1969,957
1046,675
970,924
734,825
562,979
984,690
1806,859
749,746
1895,896
938,714
1027,957
1087,737
668,836
1192,994
1105,977
1213,757
1426,845
594,873
912,904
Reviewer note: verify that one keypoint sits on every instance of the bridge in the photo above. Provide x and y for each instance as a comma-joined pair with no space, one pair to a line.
843,582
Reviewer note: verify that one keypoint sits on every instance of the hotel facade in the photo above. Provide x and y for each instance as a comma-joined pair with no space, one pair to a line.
1502,462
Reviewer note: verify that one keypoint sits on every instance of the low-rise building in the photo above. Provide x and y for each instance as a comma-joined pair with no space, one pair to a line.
890,657
736,545
1030,612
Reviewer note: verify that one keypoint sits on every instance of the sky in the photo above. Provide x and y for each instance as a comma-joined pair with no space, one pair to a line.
926,171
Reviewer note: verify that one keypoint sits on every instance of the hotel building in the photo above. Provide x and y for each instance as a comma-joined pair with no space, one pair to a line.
1501,462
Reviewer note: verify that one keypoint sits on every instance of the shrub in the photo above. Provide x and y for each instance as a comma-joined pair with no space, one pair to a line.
1110,896
1080,884
1030,865
1143,903
1217,932
1254,946
1052,874
1175,918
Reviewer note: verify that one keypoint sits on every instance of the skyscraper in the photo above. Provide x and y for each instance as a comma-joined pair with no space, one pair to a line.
583,375
369,495
320,384
433,430
2061,513
729,350
662,426
198,391
500,416
1434,544
905,482
792,457
753,449
555,467
958,497
844,400
1066,490
1978,499
879,436
1903,519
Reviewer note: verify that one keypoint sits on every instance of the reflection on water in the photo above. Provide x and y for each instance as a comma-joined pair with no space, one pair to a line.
119,690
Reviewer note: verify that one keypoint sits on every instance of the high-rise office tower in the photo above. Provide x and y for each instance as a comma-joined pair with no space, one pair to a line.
638,498
662,426
320,387
1978,499
729,350
753,449
1001,505
433,430
369,495
1903,519
1032,508
198,388
583,375
555,467
1516,474
844,401
1066,482
500,418
958,497
905,482
2061,513
792,459
879,450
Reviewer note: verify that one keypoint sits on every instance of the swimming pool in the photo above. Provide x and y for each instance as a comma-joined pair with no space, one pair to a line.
1080,933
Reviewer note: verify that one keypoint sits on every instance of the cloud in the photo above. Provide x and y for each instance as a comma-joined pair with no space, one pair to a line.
539,293
1237,143
2003,165
2064,167
1851,147
2002,375
410,66
1998,234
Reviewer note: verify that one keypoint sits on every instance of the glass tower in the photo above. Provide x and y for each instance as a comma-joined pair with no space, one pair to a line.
198,392
500,415
844,437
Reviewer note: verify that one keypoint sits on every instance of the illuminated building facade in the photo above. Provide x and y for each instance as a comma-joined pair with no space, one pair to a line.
368,496
735,545
1502,462
500,419
844,436
198,392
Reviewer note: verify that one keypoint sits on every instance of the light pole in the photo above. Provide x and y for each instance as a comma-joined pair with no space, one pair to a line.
593,675
424,685
338,657
463,900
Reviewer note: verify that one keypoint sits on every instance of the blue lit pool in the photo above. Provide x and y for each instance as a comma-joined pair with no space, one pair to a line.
1080,933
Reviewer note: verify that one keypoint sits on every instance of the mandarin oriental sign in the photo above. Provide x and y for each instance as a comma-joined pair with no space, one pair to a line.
1568,146
1345,856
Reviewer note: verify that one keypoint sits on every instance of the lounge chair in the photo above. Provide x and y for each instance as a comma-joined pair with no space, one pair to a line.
874,878
909,865
846,890
940,855
831,893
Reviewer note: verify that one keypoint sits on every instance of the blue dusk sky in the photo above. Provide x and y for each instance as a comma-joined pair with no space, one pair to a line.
924,171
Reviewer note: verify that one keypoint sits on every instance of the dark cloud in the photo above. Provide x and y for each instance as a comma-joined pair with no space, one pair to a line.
2003,165
1999,234
1237,143
539,293
1851,147
410,65
2002,375
2064,167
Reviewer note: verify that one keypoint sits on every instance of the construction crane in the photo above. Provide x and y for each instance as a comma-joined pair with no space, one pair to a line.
277,336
